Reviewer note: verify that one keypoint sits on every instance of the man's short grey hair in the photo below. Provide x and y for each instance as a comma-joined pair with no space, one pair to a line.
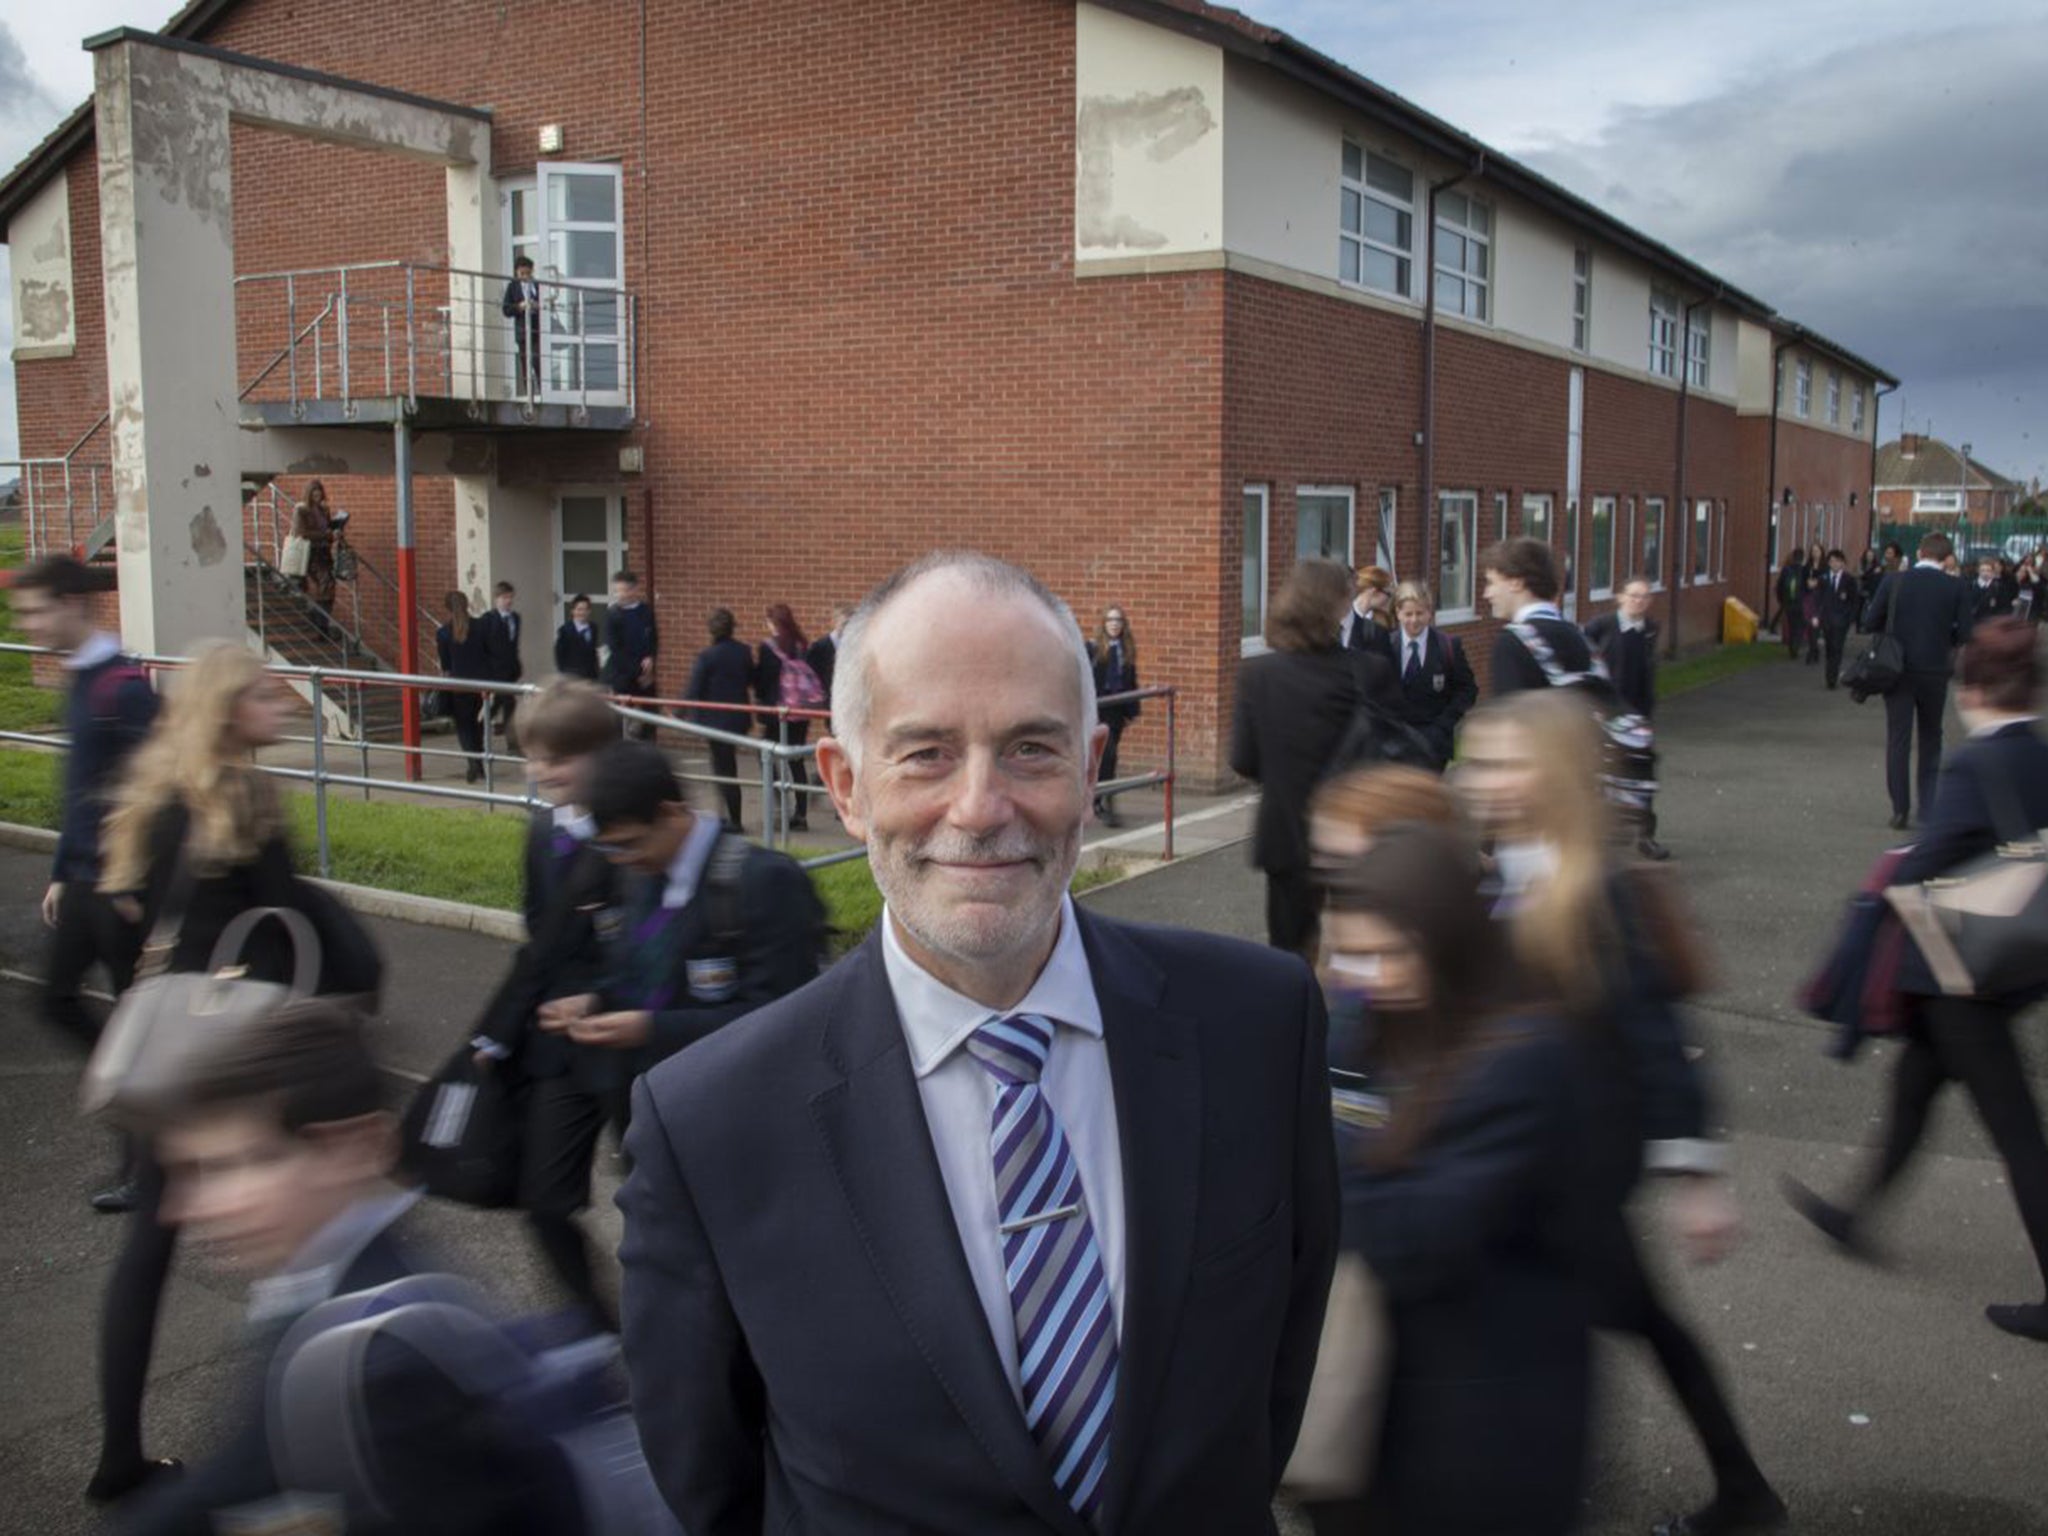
987,577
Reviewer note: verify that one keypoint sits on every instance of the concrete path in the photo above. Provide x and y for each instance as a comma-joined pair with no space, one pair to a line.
1880,1400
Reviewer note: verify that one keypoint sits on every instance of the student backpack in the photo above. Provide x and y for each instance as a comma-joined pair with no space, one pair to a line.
1628,775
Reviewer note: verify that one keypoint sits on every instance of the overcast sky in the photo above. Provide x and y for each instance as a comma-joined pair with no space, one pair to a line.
1872,168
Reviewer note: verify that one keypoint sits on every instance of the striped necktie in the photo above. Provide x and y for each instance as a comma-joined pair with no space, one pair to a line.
1059,1290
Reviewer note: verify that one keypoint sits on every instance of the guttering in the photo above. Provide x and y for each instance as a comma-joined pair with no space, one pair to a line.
1473,172
1876,407
1680,510
1771,467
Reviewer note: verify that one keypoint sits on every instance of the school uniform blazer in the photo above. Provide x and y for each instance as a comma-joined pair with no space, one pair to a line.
1514,669
823,656
722,674
807,1348
1631,659
1934,616
1293,708
575,654
563,955
501,647
1443,690
1840,601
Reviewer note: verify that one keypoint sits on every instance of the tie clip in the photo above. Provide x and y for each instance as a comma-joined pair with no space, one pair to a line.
1040,1219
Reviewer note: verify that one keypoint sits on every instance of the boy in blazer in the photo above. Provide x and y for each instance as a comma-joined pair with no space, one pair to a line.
1934,617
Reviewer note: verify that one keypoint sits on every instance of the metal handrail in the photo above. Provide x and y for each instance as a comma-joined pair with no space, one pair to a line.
286,351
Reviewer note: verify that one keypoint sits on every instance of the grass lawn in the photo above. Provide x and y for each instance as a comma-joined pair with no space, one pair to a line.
1682,676
452,852
23,706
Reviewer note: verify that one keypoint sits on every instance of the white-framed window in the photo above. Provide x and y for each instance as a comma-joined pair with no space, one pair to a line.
569,220
1699,342
1653,540
1663,334
1252,563
1582,300
590,544
1702,539
1721,539
1383,537
1938,501
1778,381
1322,523
1626,542
1464,256
1500,516
1856,409
1536,517
1834,398
1802,387
1603,548
1457,569
1568,567
1376,223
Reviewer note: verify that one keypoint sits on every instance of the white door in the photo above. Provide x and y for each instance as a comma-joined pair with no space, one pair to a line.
579,231
590,544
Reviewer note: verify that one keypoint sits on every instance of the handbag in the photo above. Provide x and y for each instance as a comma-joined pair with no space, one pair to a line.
1340,1427
1880,666
296,556
1982,927
168,1020
461,1133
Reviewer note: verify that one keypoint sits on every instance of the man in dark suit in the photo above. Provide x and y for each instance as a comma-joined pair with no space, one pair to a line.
1933,618
521,305
1839,607
723,674
1625,641
576,642
501,627
1019,1220
1435,679
1522,583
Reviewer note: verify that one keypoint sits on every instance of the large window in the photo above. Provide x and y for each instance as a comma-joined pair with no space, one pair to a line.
1603,547
1663,334
1856,409
1702,539
1834,398
569,220
1653,540
1252,627
1458,522
1384,543
1536,518
1802,387
1322,523
1938,501
590,543
1500,516
1464,256
1376,222
1699,340
1582,300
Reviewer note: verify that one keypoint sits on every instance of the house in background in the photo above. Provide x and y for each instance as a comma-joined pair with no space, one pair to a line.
1142,294
1922,479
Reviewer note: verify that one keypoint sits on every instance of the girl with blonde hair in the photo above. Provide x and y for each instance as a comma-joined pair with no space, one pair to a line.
1584,929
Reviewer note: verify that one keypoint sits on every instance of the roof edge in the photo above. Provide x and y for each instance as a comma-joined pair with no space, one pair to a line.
1838,352
249,61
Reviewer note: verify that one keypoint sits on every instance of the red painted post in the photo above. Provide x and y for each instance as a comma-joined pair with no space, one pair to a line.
408,597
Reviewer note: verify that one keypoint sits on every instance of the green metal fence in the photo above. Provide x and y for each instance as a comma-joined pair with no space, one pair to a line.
2012,537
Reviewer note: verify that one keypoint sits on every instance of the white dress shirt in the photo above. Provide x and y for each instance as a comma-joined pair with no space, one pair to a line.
99,646
687,867
1537,608
1414,649
959,1100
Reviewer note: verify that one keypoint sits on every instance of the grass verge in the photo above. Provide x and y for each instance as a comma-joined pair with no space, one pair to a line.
23,705
451,852
1698,671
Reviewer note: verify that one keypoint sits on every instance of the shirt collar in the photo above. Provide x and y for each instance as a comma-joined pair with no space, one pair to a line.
1926,565
1536,609
575,821
1521,865
687,867
316,1269
2005,722
1630,626
99,647
937,1020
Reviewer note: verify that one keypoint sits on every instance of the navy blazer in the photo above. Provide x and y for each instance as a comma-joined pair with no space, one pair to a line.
108,713
823,657
563,956
722,674
1987,783
807,1348
1630,656
1840,602
1293,709
1514,669
1441,693
502,646
576,654
630,637
1934,616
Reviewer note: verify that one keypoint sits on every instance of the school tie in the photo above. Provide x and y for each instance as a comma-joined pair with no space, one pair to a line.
1413,670
1059,1290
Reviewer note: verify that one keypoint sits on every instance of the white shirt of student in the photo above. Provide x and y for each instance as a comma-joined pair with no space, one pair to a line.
686,869
959,1100
1414,651
1537,608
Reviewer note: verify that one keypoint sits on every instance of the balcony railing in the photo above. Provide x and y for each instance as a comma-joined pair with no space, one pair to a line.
407,331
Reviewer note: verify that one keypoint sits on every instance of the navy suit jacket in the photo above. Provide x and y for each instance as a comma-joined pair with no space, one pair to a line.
576,656
1934,616
1442,692
807,1348
501,646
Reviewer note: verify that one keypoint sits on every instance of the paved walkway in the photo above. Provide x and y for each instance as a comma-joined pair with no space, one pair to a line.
1880,1400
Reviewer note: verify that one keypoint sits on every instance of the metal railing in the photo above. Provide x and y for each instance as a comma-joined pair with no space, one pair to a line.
404,329
774,776
55,489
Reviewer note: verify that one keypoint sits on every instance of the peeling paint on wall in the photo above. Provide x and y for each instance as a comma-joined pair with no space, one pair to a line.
208,542
1166,124
42,313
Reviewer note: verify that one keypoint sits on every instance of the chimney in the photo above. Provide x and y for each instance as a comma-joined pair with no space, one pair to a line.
1909,444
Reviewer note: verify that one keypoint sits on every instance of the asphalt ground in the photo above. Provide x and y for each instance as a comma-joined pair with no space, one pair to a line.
1879,1400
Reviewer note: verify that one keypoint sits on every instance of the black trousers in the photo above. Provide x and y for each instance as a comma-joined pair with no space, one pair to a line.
563,1123
1294,904
798,733
1914,707
128,1318
88,931
725,763
466,710
1836,638
526,341
1964,1040
503,707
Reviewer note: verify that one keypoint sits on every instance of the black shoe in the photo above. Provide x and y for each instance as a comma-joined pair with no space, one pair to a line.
1830,1220
1730,1515
1899,821
117,1199
2028,1319
107,1487
799,824
1651,849
472,774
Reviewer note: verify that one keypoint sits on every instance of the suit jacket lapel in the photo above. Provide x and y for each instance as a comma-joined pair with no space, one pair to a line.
1157,1083
873,1125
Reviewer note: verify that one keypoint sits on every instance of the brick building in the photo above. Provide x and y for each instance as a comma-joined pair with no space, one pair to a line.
1140,293
1923,480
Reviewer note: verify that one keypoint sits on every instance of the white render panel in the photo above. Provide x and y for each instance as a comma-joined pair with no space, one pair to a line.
1148,141
45,297
1532,272
1282,164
